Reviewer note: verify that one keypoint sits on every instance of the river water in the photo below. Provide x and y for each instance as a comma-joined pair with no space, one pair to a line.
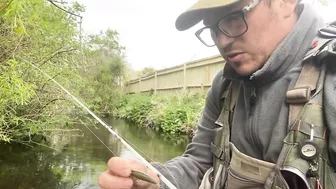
78,157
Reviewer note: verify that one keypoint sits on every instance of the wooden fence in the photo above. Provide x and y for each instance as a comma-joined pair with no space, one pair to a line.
195,75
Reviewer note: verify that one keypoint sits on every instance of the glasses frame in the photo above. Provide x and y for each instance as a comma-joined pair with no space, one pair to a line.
240,12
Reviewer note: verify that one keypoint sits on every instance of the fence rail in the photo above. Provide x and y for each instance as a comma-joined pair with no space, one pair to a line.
194,75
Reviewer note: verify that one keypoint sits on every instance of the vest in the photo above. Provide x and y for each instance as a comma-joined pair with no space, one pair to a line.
303,161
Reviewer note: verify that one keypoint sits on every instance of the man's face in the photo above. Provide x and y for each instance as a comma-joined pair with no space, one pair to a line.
267,27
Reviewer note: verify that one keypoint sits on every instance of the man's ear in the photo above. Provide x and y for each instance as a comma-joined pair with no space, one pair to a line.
288,7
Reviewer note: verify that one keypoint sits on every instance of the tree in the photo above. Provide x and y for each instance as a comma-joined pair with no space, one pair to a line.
146,71
48,35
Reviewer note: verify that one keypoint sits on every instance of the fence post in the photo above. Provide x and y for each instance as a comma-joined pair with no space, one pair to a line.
155,82
126,88
139,85
185,76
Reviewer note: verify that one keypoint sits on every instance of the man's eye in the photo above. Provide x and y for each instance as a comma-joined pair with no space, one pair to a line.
233,18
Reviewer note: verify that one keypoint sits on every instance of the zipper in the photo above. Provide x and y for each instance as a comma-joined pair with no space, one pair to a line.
253,95
255,124
253,112
251,77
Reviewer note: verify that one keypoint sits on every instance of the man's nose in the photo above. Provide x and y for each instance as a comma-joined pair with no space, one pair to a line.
223,41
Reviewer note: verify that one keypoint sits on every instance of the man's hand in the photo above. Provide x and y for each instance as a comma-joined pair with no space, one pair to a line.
118,175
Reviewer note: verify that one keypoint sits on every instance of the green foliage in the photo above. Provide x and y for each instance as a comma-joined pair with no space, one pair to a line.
107,69
136,108
171,114
15,94
91,67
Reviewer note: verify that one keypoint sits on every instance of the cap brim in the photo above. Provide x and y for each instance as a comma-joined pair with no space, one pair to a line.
196,13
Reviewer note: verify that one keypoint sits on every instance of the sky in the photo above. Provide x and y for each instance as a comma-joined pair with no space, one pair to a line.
147,29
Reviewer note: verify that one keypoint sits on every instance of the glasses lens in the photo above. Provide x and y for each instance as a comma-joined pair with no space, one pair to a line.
233,25
207,36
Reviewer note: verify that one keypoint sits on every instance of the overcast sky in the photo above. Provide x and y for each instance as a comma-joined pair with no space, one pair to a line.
147,29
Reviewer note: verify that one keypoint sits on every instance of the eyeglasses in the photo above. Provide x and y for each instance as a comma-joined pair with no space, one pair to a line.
232,25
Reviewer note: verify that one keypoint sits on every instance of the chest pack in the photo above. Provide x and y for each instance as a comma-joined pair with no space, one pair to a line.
304,160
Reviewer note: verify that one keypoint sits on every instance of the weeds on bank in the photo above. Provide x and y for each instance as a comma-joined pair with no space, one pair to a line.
170,113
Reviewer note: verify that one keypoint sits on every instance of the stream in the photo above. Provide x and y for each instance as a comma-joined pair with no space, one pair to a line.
78,157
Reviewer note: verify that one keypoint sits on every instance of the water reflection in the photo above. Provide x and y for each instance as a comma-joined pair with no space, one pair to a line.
80,157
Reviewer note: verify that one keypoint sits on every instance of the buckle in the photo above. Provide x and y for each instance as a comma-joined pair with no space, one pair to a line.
324,44
328,31
329,51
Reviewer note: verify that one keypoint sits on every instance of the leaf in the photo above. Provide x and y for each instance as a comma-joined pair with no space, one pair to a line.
324,2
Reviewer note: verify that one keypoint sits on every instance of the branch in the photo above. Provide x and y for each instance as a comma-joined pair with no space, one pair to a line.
49,80
53,3
11,108
43,145
53,100
16,47
35,112
26,143
12,51
52,56
5,6
61,2
63,130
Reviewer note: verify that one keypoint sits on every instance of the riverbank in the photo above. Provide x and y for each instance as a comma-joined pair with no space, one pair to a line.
173,114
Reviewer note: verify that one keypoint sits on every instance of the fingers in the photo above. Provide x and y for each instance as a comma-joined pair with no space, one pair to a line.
144,169
120,166
118,175
109,181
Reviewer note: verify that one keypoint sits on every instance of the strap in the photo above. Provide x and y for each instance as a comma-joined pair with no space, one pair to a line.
234,93
234,96
302,91
323,46
226,126
219,153
221,147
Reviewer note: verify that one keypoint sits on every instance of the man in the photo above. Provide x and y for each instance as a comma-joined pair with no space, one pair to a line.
264,43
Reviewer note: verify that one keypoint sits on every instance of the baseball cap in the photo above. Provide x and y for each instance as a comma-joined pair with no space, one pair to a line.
196,12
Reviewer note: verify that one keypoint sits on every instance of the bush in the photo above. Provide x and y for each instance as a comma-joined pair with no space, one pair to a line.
171,114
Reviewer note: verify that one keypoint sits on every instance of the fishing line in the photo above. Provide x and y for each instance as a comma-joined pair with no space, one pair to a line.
144,161
108,147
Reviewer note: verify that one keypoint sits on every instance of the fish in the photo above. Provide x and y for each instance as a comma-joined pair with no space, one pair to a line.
142,176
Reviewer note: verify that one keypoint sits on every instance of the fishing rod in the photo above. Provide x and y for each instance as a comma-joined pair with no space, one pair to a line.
143,160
